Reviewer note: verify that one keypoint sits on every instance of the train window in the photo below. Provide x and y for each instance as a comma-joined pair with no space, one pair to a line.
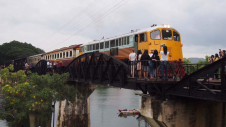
112,43
101,45
116,42
90,47
127,40
107,44
70,53
167,34
143,37
66,54
94,47
97,46
176,36
124,41
119,40
156,34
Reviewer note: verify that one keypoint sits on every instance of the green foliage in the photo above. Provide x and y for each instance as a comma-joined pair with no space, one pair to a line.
16,49
32,93
187,61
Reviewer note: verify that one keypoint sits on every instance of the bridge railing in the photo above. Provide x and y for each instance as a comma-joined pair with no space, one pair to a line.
176,70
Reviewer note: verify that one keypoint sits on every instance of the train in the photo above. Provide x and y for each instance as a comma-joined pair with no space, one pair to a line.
119,46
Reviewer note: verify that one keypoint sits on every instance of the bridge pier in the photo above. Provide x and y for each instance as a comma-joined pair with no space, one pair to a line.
183,112
78,113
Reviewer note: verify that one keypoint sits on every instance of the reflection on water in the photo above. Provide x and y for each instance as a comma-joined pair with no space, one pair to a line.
104,105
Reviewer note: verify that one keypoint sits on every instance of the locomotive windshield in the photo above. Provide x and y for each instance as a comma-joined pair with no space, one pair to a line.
176,36
167,34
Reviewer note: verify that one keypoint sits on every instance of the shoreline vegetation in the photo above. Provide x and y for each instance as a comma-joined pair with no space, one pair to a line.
31,93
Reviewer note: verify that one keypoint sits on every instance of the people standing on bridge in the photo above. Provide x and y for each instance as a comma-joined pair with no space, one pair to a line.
144,62
211,60
132,59
223,54
164,61
151,64
216,58
220,53
155,60
139,68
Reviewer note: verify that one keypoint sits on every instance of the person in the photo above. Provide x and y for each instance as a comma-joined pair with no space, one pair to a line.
163,64
219,53
54,66
151,63
223,54
132,59
139,69
60,64
25,66
144,62
216,58
211,60
155,60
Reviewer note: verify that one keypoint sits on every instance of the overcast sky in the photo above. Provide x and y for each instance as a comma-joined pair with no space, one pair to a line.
52,24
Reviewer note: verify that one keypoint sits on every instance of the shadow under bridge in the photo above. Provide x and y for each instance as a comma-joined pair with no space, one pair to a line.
98,68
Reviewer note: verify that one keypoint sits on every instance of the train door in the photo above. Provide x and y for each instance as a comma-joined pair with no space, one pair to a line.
136,43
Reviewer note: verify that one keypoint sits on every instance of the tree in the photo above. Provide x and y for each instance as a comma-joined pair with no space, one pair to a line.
16,49
187,61
32,93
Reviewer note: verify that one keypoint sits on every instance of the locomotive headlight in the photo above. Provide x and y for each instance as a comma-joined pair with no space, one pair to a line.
166,25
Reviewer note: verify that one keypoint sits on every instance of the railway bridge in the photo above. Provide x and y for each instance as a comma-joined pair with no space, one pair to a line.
99,68
183,100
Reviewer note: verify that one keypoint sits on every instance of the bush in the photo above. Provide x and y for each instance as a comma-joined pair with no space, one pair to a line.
31,93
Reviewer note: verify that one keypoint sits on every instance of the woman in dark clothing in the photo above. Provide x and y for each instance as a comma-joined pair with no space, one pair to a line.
155,60
144,62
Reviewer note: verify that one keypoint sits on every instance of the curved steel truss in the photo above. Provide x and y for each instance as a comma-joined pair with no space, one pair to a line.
41,67
198,84
98,68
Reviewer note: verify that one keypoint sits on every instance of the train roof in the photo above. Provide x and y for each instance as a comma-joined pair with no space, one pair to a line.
64,48
128,34
36,55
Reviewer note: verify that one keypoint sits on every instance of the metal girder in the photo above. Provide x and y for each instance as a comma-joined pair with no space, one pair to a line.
98,68
190,86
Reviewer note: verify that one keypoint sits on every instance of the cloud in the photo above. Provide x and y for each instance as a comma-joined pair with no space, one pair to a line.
63,23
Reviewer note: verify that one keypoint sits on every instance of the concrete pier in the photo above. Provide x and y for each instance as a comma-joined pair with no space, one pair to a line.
78,113
183,112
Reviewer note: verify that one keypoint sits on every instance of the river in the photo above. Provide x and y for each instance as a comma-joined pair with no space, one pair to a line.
104,105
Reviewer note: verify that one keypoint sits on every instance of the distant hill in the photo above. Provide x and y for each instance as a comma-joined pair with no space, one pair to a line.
16,49
195,60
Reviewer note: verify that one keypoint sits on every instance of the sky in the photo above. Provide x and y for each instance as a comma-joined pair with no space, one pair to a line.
52,24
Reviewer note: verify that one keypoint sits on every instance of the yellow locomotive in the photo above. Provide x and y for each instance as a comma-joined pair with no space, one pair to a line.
144,39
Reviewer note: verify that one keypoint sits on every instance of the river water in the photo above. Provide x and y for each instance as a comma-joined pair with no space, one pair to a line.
104,105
